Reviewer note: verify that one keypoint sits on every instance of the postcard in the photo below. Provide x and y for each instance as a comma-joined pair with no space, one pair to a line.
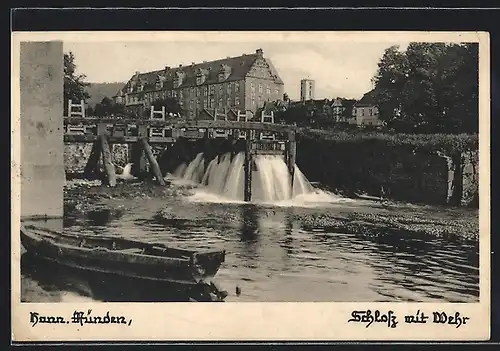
286,186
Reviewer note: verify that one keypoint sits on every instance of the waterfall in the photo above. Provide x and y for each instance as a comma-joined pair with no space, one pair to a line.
223,176
126,173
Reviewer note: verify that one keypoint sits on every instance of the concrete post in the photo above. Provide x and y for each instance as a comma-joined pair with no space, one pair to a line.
40,137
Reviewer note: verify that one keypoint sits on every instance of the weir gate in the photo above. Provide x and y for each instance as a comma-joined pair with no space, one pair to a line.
212,137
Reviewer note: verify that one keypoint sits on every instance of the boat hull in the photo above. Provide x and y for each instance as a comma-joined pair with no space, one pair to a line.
183,271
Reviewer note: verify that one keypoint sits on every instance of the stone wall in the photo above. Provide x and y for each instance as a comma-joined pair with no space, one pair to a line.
77,154
398,173
470,171
41,117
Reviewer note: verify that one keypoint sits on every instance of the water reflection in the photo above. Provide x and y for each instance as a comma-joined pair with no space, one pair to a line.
273,257
67,284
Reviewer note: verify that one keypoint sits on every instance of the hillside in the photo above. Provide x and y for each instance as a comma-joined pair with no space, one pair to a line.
98,91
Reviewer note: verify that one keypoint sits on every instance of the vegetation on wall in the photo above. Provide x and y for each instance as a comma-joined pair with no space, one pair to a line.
448,144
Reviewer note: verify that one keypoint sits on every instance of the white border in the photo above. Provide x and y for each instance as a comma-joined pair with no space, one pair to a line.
255,321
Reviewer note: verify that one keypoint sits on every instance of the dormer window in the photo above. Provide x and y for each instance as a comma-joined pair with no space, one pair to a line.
178,79
224,72
159,82
201,76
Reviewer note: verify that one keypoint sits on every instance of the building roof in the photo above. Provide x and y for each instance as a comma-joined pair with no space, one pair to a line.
239,67
367,100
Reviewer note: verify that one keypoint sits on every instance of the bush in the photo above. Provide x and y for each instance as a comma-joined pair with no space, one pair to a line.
446,143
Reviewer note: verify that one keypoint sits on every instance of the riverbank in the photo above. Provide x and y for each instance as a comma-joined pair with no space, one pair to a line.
433,169
374,219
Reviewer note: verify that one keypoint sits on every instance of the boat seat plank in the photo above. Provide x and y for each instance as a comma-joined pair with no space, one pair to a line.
131,250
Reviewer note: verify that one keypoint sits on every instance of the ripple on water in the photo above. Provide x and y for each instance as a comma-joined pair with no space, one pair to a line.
273,258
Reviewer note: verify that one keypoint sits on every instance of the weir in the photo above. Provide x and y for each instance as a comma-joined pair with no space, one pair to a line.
180,142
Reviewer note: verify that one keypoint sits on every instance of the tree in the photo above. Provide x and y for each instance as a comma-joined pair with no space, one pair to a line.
430,87
108,108
74,84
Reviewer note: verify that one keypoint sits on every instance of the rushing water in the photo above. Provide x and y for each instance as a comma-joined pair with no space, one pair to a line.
271,254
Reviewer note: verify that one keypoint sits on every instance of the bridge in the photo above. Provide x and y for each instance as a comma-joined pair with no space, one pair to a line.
252,137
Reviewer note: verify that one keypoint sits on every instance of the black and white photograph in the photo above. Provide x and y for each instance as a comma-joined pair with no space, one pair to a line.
309,169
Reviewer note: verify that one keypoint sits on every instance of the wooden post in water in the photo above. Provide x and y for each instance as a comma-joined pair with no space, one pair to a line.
93,161
248,172
291,155
152,161
138,156
109,167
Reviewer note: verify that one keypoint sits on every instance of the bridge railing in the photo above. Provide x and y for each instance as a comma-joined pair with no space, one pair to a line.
129,127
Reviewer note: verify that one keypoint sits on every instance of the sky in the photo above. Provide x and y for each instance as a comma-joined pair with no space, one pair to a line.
340,69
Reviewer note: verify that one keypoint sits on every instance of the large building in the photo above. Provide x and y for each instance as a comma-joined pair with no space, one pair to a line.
365,112
306,89
242,83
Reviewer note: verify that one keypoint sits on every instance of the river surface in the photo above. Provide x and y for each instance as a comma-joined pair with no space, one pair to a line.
272,256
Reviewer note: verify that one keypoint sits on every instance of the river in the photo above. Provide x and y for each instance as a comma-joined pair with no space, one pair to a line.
274,253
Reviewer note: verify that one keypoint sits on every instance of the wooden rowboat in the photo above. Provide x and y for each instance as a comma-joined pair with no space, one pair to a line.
185,269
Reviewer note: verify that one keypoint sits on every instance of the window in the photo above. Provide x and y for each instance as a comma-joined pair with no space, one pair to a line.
205,91
260,88
205,103
169,93
276,91
181,94
362,111
212,102
260,100
253,101
198,104
191,104
228,90
228,102
237,101
220,102
268,90
252,88
192,91
212,89
237,87
221,89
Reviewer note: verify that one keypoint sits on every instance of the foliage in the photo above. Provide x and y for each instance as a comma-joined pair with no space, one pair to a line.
74,84
429,88
448,144
108,108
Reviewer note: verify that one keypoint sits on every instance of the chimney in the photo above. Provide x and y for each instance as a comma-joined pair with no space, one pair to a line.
259,53
180,64
137,73
167,68
192,63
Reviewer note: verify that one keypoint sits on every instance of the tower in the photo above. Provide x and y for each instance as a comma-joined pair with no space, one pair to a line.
306,89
